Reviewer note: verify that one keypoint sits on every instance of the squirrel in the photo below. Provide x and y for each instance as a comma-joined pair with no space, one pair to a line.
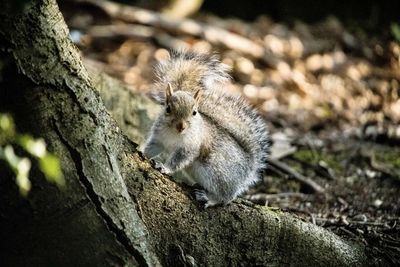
217,139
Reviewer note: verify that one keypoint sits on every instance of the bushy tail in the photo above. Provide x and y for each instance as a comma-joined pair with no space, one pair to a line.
189,71
241,121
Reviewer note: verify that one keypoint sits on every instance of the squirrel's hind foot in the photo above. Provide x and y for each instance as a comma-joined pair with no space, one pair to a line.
203,198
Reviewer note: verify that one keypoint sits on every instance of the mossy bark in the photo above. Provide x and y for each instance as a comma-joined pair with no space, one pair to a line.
116,209
94,221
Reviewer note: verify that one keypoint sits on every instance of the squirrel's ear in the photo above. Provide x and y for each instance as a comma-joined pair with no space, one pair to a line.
197,95
169,91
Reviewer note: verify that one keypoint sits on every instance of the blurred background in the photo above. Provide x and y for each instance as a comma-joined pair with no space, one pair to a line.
313,65
324,75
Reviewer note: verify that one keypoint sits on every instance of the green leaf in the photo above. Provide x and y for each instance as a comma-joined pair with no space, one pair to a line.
6,122
7,128
395,28
36,148
50,165
10,157
24,165
20,166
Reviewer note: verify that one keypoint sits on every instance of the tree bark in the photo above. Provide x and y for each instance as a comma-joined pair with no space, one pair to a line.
116,209
95,218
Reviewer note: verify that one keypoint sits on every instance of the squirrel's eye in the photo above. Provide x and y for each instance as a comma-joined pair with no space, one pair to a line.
194,112
168,110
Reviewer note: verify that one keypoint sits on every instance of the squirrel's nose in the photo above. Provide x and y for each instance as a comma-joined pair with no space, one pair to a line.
180,126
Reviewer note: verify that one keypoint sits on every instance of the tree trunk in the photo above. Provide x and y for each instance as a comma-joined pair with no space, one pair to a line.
116,209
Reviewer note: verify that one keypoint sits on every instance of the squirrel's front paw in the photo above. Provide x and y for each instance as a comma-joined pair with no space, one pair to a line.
159,166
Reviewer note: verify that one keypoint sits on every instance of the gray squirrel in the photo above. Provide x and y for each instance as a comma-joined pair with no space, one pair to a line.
216,139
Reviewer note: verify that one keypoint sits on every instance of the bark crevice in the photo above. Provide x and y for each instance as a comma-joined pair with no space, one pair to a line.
120,235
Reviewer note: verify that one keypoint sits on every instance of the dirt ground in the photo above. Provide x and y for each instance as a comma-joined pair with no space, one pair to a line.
329,94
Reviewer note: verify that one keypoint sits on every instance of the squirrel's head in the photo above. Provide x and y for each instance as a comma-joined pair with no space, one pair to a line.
181,108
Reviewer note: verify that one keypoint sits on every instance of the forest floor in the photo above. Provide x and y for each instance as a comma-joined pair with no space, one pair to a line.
330,95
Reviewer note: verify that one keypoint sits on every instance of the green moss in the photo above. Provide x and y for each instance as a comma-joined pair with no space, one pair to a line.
276,184
275,211
305,155
314,157
390,157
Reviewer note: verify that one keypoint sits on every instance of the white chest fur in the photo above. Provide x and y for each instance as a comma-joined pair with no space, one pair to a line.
190,138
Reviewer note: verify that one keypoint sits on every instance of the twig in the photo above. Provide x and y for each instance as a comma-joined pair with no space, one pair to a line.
377,166
277,171
213,34
385,74
137,32
266,197
298,176
168,41
350,233
339,222
129,30
381,224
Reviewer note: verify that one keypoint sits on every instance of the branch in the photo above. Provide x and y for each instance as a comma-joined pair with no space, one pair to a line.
298,176
214,35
